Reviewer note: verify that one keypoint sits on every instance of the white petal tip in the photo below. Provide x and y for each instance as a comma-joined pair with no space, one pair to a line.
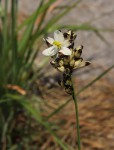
66,51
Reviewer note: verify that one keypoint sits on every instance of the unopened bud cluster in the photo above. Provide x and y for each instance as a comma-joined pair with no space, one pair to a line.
68,63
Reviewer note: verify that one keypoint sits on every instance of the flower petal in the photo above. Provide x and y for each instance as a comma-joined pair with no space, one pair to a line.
66,43
65,51
50,40
58,36
51,51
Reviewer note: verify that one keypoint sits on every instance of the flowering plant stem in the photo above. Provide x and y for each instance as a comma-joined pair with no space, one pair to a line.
77,116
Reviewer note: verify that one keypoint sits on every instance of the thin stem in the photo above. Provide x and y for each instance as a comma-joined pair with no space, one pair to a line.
77,115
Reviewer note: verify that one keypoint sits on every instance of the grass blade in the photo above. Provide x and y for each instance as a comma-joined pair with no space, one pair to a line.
23,101
58,17
34,113
95,80
35,14
102,38
14,38
58,109
5,29
52,21
81,27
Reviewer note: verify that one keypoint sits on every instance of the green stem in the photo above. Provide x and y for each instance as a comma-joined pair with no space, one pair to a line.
77,115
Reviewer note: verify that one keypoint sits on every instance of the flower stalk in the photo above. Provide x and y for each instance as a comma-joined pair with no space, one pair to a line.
66,60
74,97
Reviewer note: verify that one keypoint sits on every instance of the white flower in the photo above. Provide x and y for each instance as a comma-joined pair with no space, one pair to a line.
59,44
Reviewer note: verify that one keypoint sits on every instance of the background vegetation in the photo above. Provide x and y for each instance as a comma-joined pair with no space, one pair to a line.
23,120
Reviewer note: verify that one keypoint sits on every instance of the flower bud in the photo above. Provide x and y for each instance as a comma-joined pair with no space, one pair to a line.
52,62
60,62
79,47
69,35
62,68
68,82
69,90
78,52
72,62
77,63
61,83
72,55
68,70
66,61
84,63
72,35
80,63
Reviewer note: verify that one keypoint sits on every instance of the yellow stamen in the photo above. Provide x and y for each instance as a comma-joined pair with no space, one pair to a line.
58,44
